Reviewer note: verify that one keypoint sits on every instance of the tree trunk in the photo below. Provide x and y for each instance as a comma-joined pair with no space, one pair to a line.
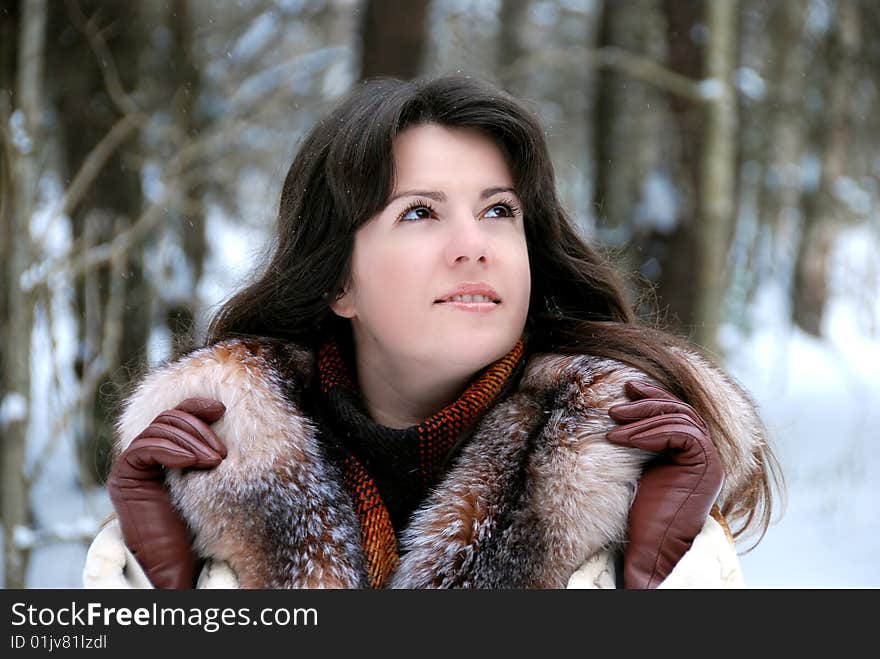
393,38
603,124
180,314
820,212
512,14
677,250
628,135
781,185
17,339
86,112
718,176
8,45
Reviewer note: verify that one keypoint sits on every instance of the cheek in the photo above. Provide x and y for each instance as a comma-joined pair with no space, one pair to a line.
520,270
396,277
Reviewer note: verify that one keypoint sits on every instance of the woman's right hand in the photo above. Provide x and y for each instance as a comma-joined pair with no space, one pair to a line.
151,527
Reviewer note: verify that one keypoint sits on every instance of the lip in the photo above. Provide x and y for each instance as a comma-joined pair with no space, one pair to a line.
471,288
478,307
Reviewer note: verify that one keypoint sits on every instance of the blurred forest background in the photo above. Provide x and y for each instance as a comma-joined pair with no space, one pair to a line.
726,153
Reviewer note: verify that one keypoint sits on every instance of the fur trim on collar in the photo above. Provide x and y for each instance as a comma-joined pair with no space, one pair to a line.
534,493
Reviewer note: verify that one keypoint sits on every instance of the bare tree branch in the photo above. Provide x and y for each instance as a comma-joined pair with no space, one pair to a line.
97,369
100,254
239,117
92,166
650,72
97,158
637,67
89,28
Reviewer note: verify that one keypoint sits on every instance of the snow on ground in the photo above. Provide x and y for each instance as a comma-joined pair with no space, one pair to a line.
820,400
823,414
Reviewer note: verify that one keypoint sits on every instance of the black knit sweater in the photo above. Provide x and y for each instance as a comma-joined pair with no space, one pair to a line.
403,463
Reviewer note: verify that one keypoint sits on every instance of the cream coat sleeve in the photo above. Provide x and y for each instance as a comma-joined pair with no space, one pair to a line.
110,564
711,562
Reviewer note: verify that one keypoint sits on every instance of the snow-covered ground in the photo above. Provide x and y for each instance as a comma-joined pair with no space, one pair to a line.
820,400
821,405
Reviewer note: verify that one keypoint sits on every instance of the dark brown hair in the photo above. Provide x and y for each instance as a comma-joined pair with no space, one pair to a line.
343,174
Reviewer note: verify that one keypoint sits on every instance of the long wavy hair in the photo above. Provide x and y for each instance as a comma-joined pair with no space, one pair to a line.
343,174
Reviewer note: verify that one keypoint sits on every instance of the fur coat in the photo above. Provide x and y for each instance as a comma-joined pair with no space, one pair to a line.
537,498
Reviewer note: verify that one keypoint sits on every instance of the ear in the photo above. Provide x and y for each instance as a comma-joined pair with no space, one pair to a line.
344,304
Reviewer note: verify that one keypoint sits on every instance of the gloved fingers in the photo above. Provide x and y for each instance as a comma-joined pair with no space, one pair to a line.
676,491
687,443
655,421
679,435
206,409
166,454
183,437
637,390
171,447
193,426
642,391
651,407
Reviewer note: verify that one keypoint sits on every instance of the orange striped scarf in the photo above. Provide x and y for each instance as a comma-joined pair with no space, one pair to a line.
433,440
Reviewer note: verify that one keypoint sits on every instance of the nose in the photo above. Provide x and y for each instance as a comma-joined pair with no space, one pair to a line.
468,241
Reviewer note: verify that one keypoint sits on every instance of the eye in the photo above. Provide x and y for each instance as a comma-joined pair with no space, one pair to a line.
508,206
417,208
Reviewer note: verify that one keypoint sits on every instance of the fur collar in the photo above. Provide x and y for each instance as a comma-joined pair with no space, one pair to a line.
535,492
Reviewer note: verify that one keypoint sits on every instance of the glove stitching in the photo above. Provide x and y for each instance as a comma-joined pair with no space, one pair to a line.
693,415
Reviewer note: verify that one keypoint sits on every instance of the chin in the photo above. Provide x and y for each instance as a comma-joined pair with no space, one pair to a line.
476,352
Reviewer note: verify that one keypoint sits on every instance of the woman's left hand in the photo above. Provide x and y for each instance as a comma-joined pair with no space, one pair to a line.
676,491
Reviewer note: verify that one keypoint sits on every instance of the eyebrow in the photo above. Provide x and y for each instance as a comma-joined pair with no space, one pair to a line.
440,196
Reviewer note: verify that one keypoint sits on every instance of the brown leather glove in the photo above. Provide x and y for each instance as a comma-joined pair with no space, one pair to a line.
676,492
151,527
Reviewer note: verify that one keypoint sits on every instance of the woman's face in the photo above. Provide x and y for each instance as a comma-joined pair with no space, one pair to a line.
454,220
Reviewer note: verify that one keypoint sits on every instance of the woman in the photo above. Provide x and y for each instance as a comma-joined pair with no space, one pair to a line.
433,383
